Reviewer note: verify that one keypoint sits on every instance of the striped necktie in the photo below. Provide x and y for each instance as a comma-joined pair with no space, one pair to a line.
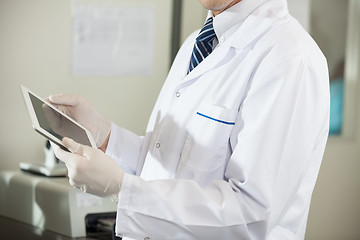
203,45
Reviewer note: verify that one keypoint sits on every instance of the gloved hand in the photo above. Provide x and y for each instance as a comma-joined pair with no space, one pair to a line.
83,112
90,170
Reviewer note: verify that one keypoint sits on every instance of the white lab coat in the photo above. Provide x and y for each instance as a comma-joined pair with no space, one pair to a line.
233,149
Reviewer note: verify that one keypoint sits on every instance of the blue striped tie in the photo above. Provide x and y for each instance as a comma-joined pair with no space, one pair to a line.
203,45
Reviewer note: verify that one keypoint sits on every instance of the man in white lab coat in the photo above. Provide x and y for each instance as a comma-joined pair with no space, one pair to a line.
233,147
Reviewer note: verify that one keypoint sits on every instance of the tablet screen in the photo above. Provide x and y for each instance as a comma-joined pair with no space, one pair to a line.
56,124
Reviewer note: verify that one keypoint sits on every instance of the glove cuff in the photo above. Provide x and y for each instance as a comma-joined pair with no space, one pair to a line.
104,128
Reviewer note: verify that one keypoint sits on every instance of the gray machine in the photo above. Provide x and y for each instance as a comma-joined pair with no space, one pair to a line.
50,203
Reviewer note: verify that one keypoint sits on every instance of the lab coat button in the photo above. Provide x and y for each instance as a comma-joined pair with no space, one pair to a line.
178,94
222,39
157,145
147,238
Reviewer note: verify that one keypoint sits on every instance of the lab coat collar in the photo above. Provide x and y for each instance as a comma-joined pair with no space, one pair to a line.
258,21
225,23
209,62
253,26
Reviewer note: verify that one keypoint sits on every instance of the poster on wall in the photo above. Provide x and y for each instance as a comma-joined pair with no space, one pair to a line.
112,38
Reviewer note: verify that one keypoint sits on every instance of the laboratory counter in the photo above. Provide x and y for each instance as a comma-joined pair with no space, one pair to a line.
11,229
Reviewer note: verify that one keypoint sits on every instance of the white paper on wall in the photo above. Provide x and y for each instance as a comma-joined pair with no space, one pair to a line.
112,40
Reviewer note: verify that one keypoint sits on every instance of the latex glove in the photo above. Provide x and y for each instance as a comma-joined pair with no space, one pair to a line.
82,111
90,170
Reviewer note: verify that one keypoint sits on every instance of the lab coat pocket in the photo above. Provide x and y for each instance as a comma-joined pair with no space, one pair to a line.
206,148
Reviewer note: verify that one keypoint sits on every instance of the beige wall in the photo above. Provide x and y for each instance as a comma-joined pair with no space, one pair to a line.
35,50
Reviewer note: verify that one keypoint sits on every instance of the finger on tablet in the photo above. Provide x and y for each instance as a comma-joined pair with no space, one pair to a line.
60,153
73,146
64,99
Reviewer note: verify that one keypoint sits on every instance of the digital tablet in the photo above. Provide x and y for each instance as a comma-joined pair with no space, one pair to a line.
52,123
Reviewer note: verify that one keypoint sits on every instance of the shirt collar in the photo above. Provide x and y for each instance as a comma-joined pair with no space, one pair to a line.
225,23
